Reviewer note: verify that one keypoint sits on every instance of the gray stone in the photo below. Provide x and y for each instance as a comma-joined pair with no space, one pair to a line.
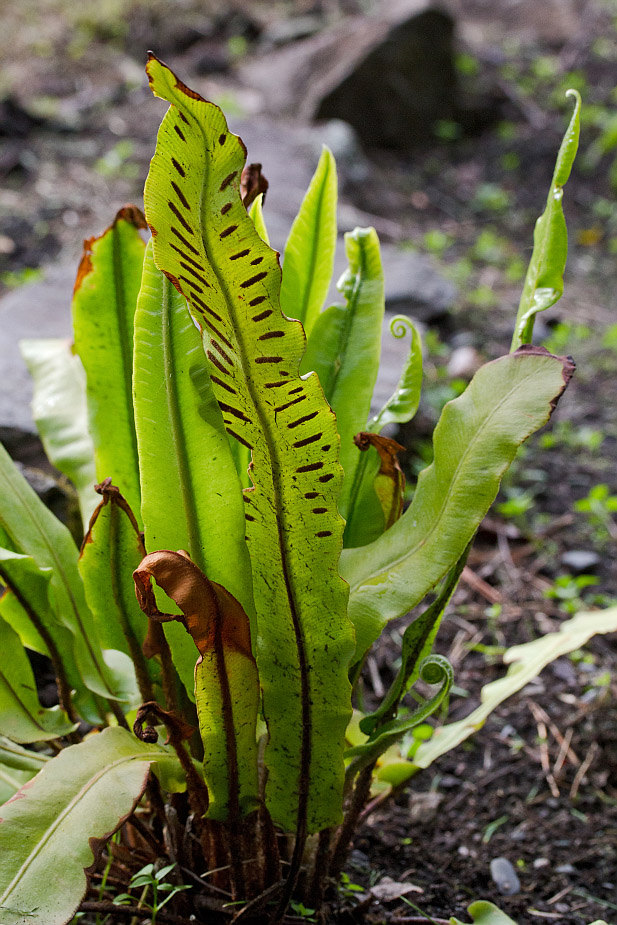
413,285
391,74
505,877
580,560
40,309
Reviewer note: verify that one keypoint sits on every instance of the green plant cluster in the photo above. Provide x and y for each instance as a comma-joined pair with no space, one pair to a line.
245,546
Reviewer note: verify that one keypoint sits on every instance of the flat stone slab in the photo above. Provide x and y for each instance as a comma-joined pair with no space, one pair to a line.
41,309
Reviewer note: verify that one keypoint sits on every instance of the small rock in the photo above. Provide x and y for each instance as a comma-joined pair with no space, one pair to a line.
541,862
580,560
284,31
359,860
464,362
564,670
423,806
505,877
565,869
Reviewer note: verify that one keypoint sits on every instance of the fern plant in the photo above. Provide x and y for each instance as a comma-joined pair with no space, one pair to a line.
208,636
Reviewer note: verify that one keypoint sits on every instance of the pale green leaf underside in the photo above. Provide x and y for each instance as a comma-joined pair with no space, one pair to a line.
82,796
206,242
544,280
22,718
308,260
35,532
60,413
28,597
474,442
103,315
526,662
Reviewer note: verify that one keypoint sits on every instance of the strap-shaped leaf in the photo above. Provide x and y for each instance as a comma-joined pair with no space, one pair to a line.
226,683
22,759
22,718
526,662
111,551
25,604
205,240
474,442
61,415
365,512
65,815
256,212
34,531
403,403
104,304
308,260
544,280
344,348
191,496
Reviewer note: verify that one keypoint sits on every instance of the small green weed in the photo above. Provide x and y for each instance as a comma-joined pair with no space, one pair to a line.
153,884
600,505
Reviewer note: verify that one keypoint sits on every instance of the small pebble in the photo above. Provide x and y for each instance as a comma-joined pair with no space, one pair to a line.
505,877
580,560
541,862
565,869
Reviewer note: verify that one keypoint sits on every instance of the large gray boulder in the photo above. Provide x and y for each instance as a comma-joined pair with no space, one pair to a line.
390,74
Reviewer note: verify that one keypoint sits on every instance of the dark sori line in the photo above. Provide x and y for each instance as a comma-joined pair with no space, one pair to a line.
294,401
324,533
257,301
183,117
306,441
275,385
227,232
319,510
269,334
184,256
261,315
193,272
307,417
179,132
254,279
178,167
180,195
311,494
227,180
217,363
191,283
293,391
240,254
223,385
222,138
239,438
268,359
174,208
225,209
218,333
218,347
326,478
184,241
235,411
207,308
256,261
310,467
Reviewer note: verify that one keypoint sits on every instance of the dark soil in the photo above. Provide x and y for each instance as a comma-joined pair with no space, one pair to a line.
514,790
